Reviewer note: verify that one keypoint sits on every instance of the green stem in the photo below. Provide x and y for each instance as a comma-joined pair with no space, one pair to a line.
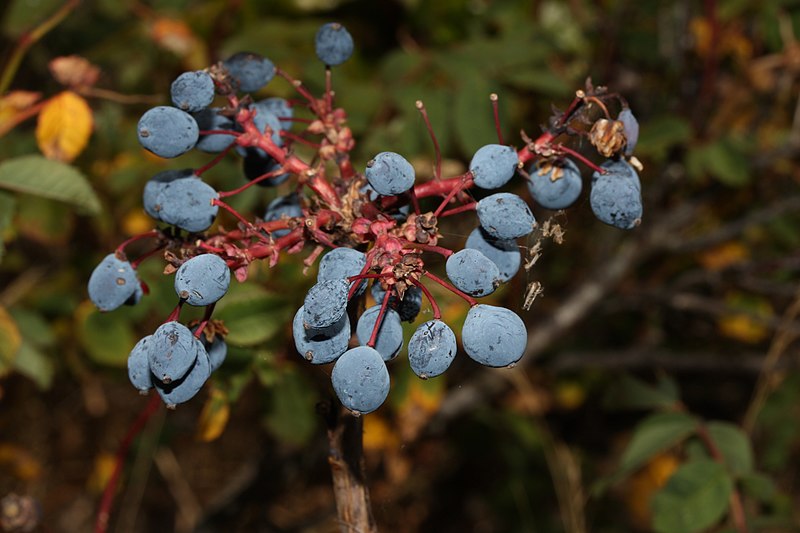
29,39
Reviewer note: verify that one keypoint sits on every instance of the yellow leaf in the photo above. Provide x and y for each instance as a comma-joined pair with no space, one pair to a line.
378,435
642,486
15,107
104,464
64,127
747,320
20,461
214,417
723,256
11,341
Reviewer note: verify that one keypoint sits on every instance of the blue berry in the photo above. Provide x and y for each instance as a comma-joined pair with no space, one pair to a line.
558,193
360,379
249,71
288,206
494,336
192,91
210,119
203,279
279,107
616,196
186,203
217,349
113,283
256,163
504,254
325,303
139,365
320,346
333,44
154,186
389,340
493,166
408,308
390,174
505,216
187,387
167,131
341,263
472,272
173,350
630,127
432,349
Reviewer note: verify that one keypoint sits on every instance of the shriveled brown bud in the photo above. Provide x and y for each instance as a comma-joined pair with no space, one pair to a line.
607,136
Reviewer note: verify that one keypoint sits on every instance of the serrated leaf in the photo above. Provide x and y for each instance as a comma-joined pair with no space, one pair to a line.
734,446
655,434
632,393
11,342
64,126
7,204
695,498
36,175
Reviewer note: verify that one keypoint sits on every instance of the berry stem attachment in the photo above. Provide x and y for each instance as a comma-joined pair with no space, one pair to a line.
206,318
466,178
247,223
176,313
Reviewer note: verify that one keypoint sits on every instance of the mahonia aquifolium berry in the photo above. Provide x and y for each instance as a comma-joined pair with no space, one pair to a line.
378,228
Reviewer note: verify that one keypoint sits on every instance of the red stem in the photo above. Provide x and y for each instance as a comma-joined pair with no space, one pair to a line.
460,209
493,97
211,164
443,187
259,179
247,223
579,157
138,261
104,512
446,252
206,317
437,174
176,313
469,299
437,313
120,251
461,185
384,305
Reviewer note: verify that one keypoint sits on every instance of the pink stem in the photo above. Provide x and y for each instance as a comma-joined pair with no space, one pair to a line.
437,313
384,305
470,300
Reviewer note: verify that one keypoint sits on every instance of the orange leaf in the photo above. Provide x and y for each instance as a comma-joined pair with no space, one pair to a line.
64,127
177,37
74,71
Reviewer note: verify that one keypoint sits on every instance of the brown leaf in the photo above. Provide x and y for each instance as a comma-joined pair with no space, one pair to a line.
74,71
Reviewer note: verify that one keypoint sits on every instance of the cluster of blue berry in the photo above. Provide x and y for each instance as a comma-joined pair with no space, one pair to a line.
374,223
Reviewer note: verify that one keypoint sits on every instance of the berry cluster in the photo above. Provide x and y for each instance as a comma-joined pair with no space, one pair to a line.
380,226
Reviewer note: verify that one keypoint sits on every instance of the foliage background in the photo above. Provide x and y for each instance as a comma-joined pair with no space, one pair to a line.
683,314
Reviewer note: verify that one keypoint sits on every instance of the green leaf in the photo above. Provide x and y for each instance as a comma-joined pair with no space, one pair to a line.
107,337
695,498
34,328
659,134
291,416
655,434
474,122
32,363
734,446
251,314
7,204
725,160
759,486
632,393
33,174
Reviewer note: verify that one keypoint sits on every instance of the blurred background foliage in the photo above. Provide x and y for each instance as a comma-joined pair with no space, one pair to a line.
661,382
